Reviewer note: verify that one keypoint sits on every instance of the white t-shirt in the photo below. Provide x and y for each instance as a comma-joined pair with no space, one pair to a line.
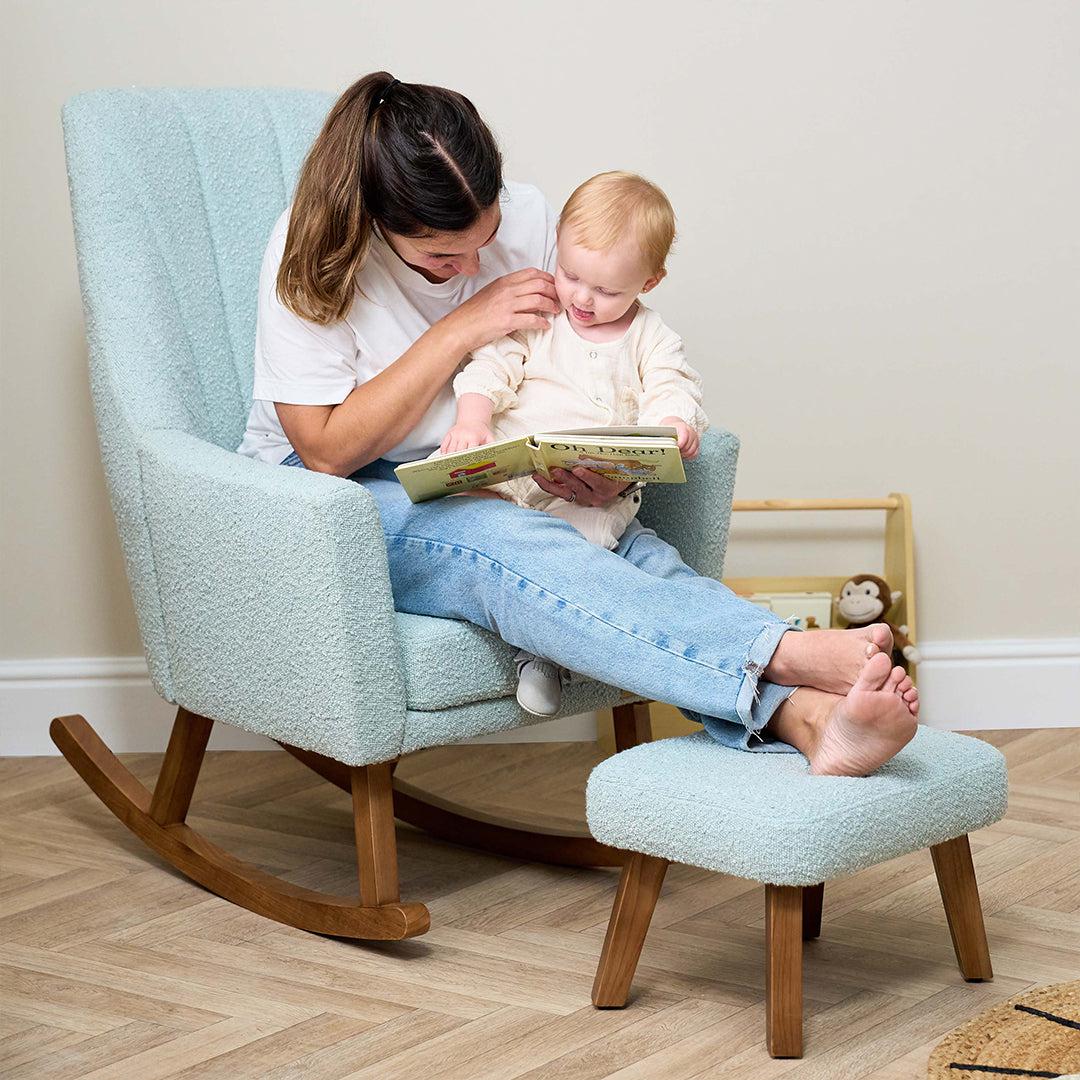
298,362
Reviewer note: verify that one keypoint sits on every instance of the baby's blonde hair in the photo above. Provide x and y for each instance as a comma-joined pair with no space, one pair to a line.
612,205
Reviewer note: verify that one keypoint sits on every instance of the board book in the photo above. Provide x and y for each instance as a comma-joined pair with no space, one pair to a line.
646,454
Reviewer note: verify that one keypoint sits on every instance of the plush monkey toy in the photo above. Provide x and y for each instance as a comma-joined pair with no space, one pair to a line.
866,599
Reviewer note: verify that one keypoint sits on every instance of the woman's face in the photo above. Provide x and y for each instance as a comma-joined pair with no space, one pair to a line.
441,256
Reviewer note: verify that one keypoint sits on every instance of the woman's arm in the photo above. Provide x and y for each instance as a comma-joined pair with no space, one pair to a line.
378,414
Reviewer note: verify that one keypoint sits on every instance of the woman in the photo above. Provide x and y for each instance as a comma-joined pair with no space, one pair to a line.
402,252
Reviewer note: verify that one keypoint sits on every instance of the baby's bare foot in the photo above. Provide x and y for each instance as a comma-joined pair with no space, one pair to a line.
868,727
829,660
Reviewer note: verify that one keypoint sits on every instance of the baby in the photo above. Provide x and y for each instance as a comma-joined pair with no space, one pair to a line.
606,360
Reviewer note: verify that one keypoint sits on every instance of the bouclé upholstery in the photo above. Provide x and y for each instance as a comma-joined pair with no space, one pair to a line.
261,592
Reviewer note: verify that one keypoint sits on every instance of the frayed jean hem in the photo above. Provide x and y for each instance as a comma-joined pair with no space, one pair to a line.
742,737
757,701
757,660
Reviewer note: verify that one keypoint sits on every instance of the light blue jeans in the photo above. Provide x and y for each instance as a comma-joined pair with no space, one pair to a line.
637,617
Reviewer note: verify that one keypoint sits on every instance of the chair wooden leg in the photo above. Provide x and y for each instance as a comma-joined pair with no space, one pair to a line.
376,842
783,970
960,895
635,901
461,824
180,768
632,725
813,897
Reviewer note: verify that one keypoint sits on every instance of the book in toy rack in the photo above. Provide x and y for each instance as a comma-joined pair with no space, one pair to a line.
646,454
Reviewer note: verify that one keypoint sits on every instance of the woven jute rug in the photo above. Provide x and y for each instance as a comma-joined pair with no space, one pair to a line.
1033,1034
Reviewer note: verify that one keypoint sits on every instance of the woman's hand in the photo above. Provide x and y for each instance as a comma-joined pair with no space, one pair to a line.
520,301
689,441
581,486
465,435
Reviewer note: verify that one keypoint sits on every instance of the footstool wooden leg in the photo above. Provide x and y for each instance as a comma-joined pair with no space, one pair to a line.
635,901
960,895
783,970
812,899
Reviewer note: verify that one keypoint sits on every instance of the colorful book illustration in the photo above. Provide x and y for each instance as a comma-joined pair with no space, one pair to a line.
646,454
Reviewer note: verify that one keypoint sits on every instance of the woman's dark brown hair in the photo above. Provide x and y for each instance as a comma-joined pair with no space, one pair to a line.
415,159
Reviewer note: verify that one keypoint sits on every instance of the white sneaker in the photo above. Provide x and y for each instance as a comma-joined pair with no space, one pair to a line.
539,689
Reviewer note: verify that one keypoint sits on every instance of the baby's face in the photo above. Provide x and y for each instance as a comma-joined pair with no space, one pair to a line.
597,287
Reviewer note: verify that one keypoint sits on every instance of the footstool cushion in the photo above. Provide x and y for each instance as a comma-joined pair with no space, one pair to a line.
764,817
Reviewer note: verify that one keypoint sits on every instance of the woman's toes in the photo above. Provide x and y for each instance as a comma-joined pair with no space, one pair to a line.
875,673
881,636
896,677
905,685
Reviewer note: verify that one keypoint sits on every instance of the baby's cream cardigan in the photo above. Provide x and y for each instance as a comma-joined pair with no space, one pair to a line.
545,380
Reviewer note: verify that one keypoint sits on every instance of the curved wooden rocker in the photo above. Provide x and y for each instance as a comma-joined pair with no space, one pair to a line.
158,819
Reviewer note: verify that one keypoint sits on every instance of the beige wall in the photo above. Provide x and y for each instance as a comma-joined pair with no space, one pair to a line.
877,270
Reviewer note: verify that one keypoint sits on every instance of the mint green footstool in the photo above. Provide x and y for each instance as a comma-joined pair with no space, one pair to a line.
764,817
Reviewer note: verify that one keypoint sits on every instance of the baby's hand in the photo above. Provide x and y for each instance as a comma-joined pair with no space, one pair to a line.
689,443
464,436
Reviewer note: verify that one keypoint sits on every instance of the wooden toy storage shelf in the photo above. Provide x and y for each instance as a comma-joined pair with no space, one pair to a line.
898,570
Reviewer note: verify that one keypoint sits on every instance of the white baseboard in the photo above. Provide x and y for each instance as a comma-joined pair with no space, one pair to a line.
115,695
965,685
984,685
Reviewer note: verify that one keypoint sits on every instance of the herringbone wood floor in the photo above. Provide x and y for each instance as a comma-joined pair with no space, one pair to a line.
112,965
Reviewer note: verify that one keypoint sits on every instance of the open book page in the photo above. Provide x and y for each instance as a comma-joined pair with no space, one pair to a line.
431,478
646,459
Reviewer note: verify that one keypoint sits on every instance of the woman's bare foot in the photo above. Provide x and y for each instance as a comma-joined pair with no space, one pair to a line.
852,735
829,660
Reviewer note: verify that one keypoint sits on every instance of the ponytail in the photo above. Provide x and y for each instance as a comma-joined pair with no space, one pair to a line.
416,159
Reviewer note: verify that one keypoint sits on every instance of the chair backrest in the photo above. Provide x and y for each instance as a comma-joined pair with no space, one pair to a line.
174,193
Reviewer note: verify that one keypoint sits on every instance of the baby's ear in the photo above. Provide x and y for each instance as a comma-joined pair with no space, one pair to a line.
654,281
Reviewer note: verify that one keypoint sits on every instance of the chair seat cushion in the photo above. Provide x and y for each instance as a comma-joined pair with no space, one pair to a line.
764,817
448,662
460,682
438,727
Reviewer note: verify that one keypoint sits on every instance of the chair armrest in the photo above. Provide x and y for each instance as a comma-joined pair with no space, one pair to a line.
694,516
276,598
